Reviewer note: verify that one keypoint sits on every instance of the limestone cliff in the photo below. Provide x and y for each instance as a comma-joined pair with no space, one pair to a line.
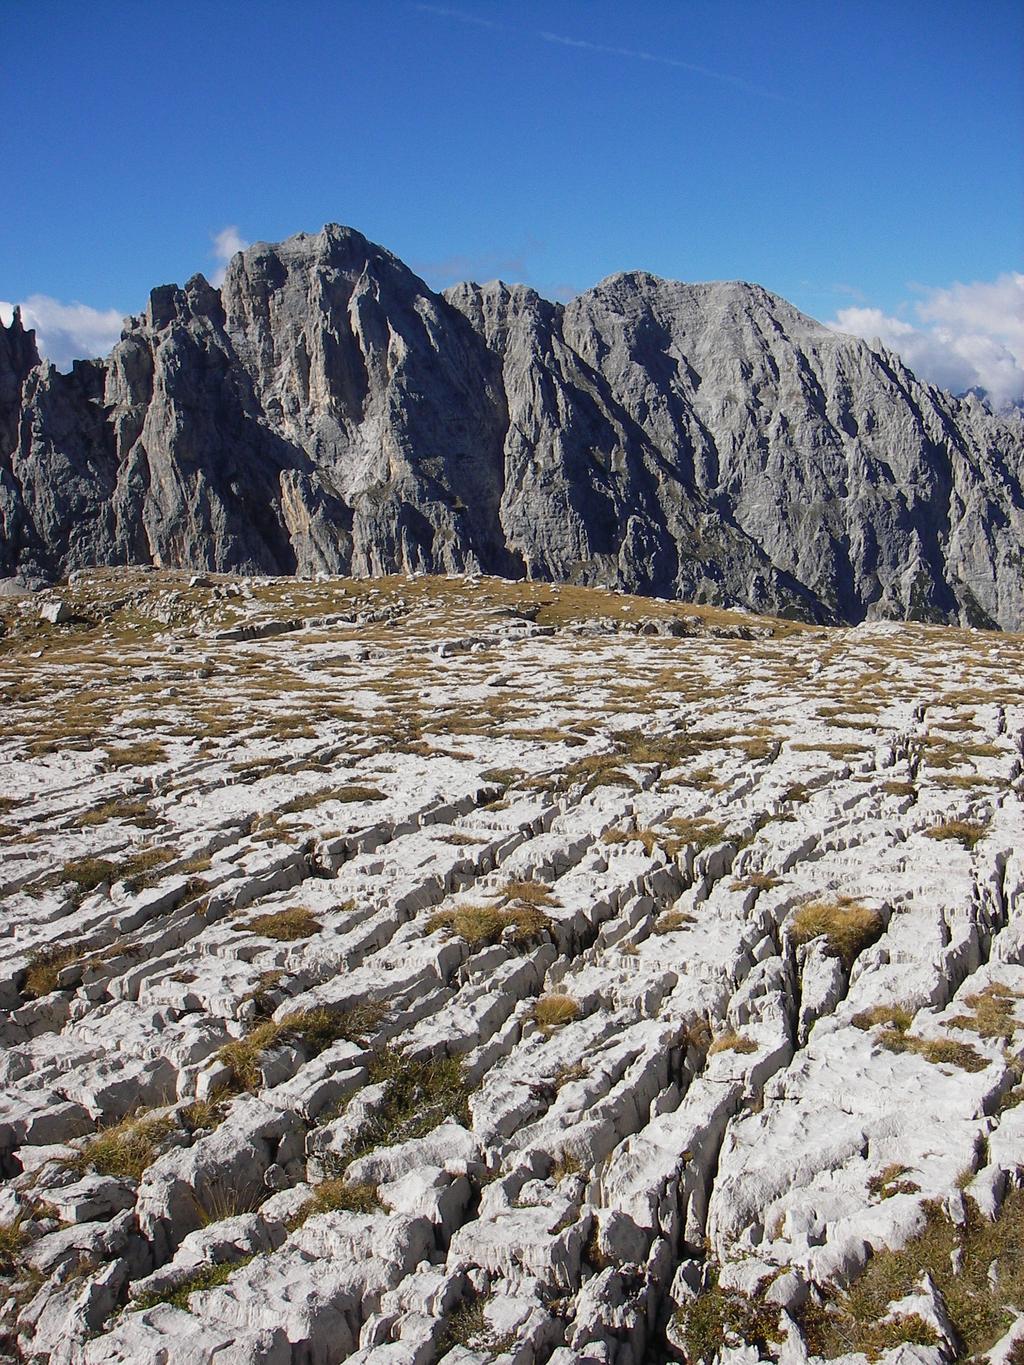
326,411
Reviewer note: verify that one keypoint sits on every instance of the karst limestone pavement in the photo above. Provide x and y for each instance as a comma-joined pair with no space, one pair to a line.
456,969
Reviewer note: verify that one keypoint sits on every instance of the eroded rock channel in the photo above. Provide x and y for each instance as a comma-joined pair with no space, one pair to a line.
418,969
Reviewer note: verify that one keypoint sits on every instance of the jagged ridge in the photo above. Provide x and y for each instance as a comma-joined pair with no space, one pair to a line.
326,411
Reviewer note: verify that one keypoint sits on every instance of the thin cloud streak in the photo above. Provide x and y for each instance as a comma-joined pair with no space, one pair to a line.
585,45
637,54
463,18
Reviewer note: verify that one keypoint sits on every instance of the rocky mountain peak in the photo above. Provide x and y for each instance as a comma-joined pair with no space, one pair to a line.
325,410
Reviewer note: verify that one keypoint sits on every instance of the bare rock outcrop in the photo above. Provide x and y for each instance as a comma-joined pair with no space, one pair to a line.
325,411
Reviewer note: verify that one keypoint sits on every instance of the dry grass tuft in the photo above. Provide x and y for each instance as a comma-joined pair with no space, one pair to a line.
337,1196
886,1183
965,832
481,925
760,881
312,1030
992,1012
552,1011
141,755
287,926
527,893
672,920
896,1017
124,1150
847,927
45,966
13,1240
732,1042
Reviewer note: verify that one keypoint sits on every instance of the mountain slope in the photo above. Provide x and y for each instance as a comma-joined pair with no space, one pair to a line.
326,411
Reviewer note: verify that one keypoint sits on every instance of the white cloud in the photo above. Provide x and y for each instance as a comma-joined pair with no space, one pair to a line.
967,336
67,331
225,244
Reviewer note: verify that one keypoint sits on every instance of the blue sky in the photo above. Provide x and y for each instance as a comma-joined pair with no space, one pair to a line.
851,156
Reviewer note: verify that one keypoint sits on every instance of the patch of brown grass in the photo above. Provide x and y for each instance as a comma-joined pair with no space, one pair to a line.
286,926
966,832
732,1041
552,1011
481,925
312,1030
123,1150
847,927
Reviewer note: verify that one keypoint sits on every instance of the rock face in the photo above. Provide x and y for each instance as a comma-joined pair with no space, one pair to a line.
326,411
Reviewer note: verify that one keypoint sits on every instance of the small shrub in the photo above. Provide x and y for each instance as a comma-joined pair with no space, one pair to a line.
565,1166
503,777
466,1327
706,1321
732,1042
964,831
86,874
552,1011
286,926
572,1071
263,994
418,1096
124,1150
138,872
847,927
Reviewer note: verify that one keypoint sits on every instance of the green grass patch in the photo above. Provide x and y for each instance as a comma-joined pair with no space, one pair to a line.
981,1308
124,1150
336,1196
312,1030
418,1096
178,1293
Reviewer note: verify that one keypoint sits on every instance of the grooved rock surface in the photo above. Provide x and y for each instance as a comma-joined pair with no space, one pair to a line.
452,968
326,411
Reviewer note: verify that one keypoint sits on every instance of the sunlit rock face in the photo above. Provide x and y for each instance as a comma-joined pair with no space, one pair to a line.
326,411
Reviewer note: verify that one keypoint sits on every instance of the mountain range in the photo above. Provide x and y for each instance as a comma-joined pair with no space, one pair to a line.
326,411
